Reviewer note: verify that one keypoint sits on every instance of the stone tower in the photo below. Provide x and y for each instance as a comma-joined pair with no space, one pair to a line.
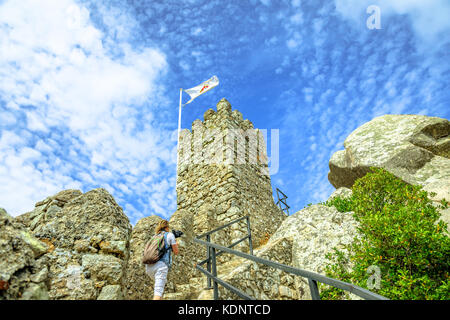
223,175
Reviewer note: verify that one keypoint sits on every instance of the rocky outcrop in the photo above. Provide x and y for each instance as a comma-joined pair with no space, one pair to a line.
23,269
342,192
86,237
414,148
315,231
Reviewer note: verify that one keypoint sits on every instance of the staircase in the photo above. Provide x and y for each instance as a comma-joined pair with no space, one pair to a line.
196,288
223,272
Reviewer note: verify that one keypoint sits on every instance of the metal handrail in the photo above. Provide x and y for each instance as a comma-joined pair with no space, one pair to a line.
211,256
283,201
221,252
221,227
226,285
312,277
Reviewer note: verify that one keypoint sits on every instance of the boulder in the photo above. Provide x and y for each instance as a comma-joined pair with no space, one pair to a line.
414,148
342,192
315,231
105,267
86,238
111,292
23,269
50,204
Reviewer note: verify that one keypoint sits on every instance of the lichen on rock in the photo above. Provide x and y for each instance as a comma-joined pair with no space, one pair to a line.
414,148
84,240
23,269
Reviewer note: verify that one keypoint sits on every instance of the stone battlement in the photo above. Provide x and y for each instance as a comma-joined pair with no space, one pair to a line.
225,117
222,138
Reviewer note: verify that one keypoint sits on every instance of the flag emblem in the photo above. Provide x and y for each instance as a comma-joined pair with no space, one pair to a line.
201,88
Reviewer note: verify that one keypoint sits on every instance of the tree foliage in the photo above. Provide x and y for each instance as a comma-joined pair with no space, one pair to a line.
399,233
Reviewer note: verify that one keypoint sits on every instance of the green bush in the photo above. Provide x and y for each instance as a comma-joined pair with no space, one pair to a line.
398,232
342,205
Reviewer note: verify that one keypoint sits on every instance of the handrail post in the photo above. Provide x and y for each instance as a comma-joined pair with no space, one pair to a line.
208,255
214,273
249,236
315,295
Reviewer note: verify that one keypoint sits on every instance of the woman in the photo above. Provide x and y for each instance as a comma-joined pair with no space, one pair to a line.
159,270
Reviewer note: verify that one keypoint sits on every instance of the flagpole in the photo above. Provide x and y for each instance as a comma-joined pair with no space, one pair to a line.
178,134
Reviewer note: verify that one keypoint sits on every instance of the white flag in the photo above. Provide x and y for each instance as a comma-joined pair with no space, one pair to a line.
202,88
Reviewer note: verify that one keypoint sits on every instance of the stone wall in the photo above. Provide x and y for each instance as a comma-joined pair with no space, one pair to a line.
223,164
137,284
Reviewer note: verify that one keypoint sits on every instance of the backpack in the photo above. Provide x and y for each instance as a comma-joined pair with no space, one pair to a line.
154,249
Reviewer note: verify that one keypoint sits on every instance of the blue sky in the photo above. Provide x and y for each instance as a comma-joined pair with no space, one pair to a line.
89,89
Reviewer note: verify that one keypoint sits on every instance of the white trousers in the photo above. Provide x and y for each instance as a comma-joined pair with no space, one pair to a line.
158,271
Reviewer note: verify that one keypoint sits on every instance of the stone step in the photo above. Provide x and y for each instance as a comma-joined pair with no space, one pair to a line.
188,291
183,287
175,296
206,294
223,270
198,282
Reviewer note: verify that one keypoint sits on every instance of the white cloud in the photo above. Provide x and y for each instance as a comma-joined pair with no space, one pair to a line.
7,118
95,108
295,41
296,3
196,31
63,64
309,94
297,18
430,19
